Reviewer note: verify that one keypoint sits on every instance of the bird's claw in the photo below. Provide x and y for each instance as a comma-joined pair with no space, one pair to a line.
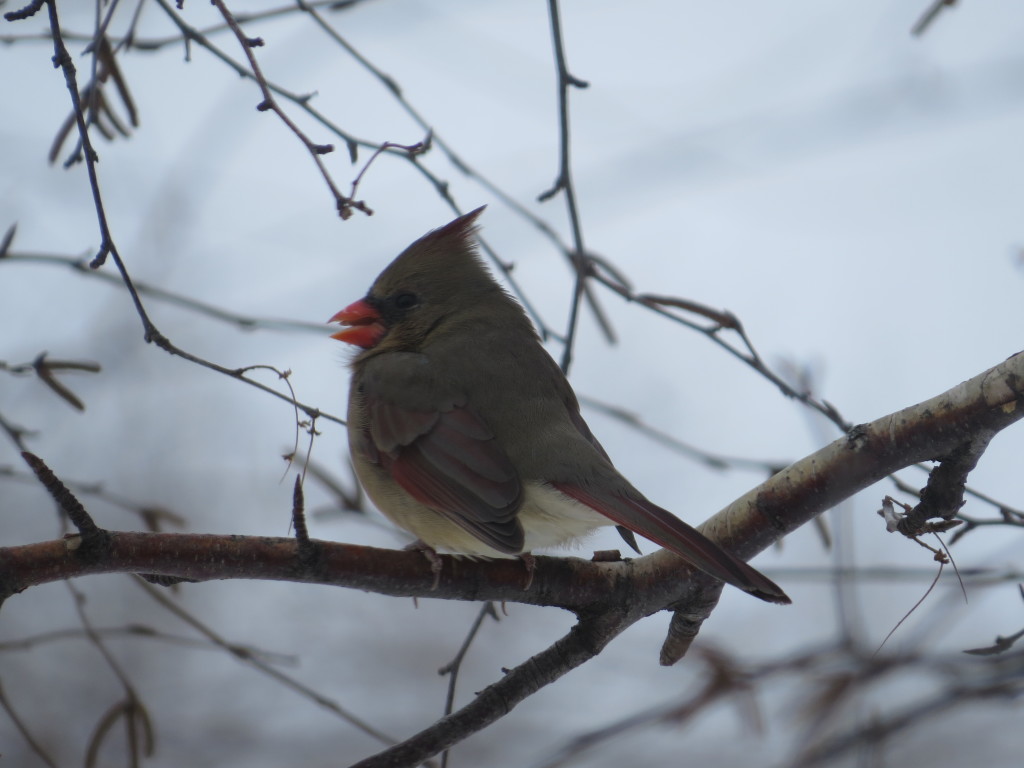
531,565
432,557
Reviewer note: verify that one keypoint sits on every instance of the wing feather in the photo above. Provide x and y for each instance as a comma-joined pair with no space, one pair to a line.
445,457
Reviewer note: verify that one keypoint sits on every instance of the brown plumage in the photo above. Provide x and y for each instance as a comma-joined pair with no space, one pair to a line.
464,431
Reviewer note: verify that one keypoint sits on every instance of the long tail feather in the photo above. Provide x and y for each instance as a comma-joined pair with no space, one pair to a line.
664,528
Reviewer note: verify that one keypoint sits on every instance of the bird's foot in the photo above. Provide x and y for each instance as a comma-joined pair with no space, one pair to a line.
432,557
531,565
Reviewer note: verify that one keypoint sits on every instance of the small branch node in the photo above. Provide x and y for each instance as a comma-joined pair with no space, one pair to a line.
27,12
101,256
67,501
299,515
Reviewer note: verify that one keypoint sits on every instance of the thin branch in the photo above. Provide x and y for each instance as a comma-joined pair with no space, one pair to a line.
745,351
465,167
563,182
930,14
584,641
22,728
453,667
244,654
727,679
131,709
46,371
344,205
153,517
716,461
190,34
137,631
15,432
149,44
65,499
830,676
909,716
990,401
242,321
107,247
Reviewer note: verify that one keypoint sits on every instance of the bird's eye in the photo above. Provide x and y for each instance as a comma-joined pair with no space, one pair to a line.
405,300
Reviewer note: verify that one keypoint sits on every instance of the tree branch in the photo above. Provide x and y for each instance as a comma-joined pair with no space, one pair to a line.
584,641
930,430
608,597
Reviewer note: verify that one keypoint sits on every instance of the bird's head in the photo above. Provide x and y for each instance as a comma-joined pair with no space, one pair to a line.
435,281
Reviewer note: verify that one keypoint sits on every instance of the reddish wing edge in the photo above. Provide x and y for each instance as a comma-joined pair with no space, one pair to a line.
664,528
421,481
450,463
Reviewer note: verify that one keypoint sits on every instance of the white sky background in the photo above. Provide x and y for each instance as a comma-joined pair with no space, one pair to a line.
852,193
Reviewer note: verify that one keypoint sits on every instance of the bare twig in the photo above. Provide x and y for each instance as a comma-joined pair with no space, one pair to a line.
244,654
130,709
26,12
108,248
98,109
15,432
138,631
563,182
131,40
828,679
46,371
71,506
465,167
930,14
242,321
745,351
154,518
1002,644
452,668
586,639
344,205
19,725
411,150
711,460
8,238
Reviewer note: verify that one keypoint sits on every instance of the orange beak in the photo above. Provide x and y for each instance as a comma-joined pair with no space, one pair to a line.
365,325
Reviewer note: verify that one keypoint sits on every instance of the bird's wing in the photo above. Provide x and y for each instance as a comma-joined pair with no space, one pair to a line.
636,513
421,430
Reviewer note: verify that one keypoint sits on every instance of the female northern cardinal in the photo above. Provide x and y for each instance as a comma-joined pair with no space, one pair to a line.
465,432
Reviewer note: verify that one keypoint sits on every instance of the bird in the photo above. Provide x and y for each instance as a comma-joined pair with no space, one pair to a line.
466,433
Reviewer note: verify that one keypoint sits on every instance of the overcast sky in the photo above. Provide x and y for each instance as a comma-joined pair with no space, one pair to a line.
851,192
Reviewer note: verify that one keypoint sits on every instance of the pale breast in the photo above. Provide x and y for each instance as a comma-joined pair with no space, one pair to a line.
550,518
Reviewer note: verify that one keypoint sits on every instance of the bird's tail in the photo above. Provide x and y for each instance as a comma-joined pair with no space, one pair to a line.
664,528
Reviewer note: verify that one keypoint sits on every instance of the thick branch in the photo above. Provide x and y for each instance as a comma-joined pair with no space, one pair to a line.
570,583
931,430
607,596
987,403
584,641
980,406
